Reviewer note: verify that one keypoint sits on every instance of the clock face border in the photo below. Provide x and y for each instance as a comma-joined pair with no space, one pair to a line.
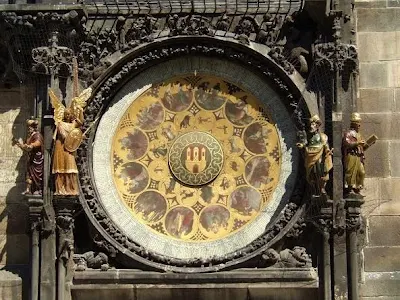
118,212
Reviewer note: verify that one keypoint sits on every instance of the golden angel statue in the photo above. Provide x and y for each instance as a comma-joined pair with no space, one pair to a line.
68,137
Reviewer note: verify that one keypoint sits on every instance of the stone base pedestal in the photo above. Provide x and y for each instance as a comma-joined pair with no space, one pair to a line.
244,284
10,286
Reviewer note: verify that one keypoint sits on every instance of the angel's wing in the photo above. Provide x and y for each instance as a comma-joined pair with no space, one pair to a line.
59,108
81,100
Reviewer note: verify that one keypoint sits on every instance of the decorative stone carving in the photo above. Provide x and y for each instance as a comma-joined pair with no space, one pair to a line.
189,25
52,59
38,57
35,203
287,258
107,247
65,226
64,209
353,213
276,54
91,260
297,229
333,56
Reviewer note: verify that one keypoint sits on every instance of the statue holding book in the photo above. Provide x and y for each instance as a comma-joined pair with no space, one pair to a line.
353,147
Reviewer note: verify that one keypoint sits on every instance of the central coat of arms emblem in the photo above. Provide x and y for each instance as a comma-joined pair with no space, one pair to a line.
196,158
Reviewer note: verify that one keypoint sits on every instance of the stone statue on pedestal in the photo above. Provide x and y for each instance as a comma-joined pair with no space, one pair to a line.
34,148
317,157
68,137
353,147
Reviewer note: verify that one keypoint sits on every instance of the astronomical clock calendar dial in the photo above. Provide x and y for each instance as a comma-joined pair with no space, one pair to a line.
195,158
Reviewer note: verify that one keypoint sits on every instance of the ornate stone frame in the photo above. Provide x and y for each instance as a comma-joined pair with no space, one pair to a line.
114,241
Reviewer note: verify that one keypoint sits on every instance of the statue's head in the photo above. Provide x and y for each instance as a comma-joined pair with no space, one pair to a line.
355,121
32,125
315,123
102,258
69,115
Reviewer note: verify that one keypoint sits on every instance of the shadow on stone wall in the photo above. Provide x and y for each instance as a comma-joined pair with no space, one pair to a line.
14,211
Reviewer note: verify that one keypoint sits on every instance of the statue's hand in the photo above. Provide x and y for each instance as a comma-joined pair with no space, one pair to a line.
18,143
362,142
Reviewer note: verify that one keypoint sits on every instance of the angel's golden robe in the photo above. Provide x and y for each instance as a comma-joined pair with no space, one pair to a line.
64,165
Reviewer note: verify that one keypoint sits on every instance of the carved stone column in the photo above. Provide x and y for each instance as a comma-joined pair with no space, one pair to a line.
35,217
48,60
353,224
339,63
323,223
65,208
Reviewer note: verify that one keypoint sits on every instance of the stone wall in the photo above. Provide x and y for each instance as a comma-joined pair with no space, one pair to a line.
378,39
14,222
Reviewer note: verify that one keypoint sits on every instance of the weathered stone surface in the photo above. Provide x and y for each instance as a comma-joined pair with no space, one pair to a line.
390,207
372,193
383,47
384,231
371,4
10,286
393,3
258,293
377,160
239,291
13,170
394,159
95,292
14,218
397,98
379,19
14,249
381,284
381,124
390,202
272,283
296,277
380,298
394,73
382,259
376,100
12,115
11,98
191,291
374,75
10,192
9,131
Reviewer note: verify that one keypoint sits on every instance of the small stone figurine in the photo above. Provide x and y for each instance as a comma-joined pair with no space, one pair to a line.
353,147
317,157
34,148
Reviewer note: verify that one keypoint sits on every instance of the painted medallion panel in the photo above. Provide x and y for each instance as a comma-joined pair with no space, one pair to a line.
196,158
